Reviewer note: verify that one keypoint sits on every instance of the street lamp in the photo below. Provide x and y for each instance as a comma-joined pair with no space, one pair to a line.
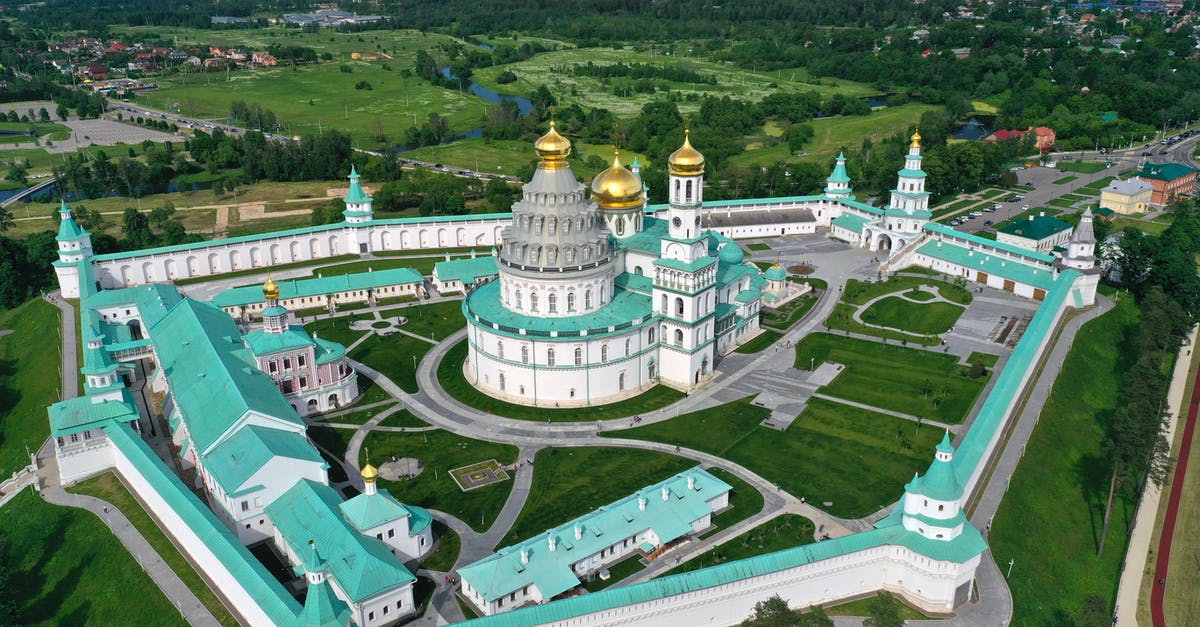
1010,565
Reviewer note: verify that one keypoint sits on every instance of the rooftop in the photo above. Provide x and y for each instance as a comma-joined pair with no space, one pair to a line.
624,309
1036,227
1164,171
319,286
81,413
1128,186
1005,267
236,459
465,269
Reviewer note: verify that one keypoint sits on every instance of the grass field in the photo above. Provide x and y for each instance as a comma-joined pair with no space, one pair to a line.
782,318
449,545
395,356
109,488
450,375
1181,605
1065,203
1060,487
29,380
916,382
548,69
856,459
1081,167
65,568
434,321
744,501
1148,226
923,318
336,329
570,482
759,246
988,360
759,343
441,451
783,532
859,292
842,319
840,132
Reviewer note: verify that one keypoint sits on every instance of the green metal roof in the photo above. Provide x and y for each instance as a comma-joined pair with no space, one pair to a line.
839,174
82,413
964,547
1000,266
639,283
362,566
851,222
466,269
748,296
320,286
913,174
212,376
262,342
152,301
731,273
356,193
686,266
235,460
503,572
322,608
419,519
775,273
328,351
939,481
981,242
260,585
626,308
649,239
1164,171
1036,227
68,230
367,511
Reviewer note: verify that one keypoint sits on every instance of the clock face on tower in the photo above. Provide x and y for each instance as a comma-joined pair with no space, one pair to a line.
677,222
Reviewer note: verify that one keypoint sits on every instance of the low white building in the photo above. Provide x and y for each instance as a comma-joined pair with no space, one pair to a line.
1040,233
407,530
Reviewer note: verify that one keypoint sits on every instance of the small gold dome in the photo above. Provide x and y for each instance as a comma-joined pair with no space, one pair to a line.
369,473
916,139
271,288
686,160
617,187
552,148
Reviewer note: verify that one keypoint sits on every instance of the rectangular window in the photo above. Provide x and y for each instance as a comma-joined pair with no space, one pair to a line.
272,367
300,361
74,437
303,382
245,506
385,610
379,535
370,615
287,363
87,435
391,533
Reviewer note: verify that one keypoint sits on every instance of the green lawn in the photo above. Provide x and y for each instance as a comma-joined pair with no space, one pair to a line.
782,318
783,532
1065,203
842,319
923,318
759,343
395,356
443,557
29,380
758,246
859,292
109,488
336,329
854,458
744,501
570,482
1060,487
1066,179
450,375
862,607
1148,226
916,382
66,568
434,321
621,570
440,452
837,133
1081,167
988,360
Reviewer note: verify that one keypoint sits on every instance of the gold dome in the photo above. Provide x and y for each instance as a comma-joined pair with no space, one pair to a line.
271,288
686,160
553,149
617,187
369,473
916,139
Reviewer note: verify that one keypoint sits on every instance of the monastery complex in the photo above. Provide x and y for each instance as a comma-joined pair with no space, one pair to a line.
589,295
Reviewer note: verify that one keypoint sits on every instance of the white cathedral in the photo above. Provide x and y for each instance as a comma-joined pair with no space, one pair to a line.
597,300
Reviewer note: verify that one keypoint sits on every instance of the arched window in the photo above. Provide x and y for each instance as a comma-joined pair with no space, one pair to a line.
626,346
621,381
552,302
620,226
550,357
501,381
500,350
533,305
663,309
637,270
603,292
578,356
518,299
678,336
570,301
604,352
678,306
650,335
587,300
688,191
524,354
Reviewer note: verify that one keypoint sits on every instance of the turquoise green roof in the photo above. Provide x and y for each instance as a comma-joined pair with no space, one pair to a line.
731,253
466,269
981,243
260,585
912,174
851,222
328,351
839,174
367,511
625,310
212,377
502,572
748,296
1164,171
356,193
322,608
68,230
82,413
97,361
320,286
1036,228
152,301
275,311
775,273
960,549
267,343
939,481
995,265
361,565
731,273
235,460
419,519
686,266
634,282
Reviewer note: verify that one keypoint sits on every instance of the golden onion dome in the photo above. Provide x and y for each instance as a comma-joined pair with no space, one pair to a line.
617,187
686,160
916,139
369,473
271,288
552,148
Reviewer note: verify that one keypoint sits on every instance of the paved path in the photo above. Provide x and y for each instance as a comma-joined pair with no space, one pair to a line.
70,361
1134,570
159,571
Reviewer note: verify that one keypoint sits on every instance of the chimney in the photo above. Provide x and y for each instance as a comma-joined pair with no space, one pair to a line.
524,556
1043,214
642,503
666,493
552,542
691,482
578,532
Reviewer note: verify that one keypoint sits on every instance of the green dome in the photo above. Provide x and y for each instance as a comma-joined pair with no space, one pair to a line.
732,253
775,273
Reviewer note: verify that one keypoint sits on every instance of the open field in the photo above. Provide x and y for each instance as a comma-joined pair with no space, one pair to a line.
441,451
837,133
1061,486
552,70
570,482
855,459
109,488
916,382
924,318
29,380
1148,226
859,292
65,568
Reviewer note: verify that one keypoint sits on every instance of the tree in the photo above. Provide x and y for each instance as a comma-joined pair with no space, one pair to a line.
136,228
62,112
774,612
884,611
17,173
6,220
978,369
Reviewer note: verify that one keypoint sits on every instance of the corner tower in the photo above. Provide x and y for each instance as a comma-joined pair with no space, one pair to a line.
74,247
838,183
1081,257
932,504
358,203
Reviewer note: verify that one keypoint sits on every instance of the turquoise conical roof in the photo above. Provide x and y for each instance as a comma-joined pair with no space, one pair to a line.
939,481
322,608
356,193
68,229
839,174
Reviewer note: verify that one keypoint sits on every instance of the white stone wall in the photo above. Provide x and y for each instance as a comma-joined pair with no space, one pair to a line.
395,535
85,457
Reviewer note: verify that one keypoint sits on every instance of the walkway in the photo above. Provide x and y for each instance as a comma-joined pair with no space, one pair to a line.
70,361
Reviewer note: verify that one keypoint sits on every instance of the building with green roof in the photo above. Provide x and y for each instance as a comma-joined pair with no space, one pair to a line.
406,529
1170,180
463,274
1040,233
328,293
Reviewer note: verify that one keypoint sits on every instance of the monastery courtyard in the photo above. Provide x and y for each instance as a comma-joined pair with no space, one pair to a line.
387,422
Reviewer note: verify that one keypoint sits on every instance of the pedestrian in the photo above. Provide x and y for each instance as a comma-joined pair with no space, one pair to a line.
105,509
